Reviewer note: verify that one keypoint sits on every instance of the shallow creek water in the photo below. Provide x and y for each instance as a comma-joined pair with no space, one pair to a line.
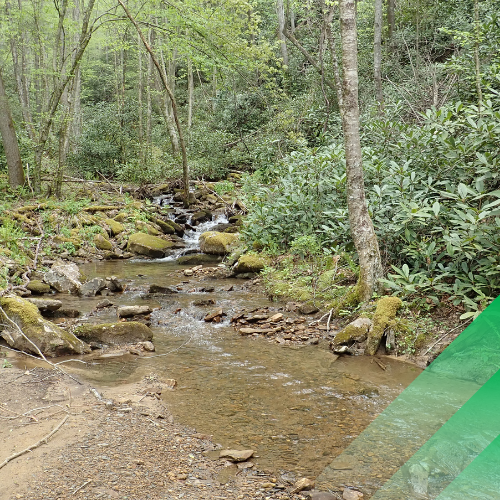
295,405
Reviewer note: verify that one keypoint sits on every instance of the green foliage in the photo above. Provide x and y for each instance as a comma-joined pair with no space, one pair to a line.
223,187
11,235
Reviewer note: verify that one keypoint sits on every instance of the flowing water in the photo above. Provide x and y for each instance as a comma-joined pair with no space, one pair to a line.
296,406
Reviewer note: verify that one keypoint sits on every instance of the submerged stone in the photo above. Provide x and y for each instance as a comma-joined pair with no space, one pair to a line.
115,333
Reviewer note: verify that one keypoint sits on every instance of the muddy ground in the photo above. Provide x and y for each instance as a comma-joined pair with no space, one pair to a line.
120,443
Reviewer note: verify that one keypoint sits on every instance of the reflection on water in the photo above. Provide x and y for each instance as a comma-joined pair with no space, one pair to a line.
294,405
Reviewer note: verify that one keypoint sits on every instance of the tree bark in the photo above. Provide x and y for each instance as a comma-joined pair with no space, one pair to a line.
280,9
163,76
377,56
9,139
477,63
363,233
190,78
391,20
140,127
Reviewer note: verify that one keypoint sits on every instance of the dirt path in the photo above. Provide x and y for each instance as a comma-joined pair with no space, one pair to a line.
125,445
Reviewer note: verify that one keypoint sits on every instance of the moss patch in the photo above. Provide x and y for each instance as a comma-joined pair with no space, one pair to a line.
152,246
251,263
216,243
386,310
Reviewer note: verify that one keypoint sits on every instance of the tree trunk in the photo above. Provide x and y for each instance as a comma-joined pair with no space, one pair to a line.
140,127
390,20
377,56
190,78
149,104
9,139
477,62
163,76
280,9
363,233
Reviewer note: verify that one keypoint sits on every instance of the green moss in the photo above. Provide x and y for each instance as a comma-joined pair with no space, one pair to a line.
37,286
148,228
145,244
115,227
251,263
216,243
102,243
386,310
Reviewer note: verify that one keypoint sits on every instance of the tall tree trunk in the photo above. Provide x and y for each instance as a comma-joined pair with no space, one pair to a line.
377,56
363,233
163,76
391,20
477,62
9,139
327,20
190,79
149,103
280,9
140,128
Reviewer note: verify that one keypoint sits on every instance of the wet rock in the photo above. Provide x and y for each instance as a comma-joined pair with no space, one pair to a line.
102,243
386,310
251,331
200,217
351,494
38,287
198,258
308,309
165,226
419,479
215,243
221,228
277,317
151,246
115,333
188,272
215,316
162,289
356,331
48,337
114,284
65,278
46,305
236,219
147,346
115,227
129,311
66,313
93,287
250,263
204,302
303,484
104,303
236,455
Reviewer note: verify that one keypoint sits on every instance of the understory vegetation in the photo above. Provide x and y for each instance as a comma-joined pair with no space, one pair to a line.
430,149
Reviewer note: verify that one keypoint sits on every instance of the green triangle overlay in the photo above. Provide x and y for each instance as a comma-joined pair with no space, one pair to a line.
386,447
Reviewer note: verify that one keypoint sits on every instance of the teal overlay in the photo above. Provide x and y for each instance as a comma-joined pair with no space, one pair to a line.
398,444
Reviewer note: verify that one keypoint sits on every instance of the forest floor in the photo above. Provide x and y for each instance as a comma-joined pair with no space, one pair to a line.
125,445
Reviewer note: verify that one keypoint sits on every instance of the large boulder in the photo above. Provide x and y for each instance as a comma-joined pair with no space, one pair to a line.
386,310
148,228
250,263
151,246
102,243
115,333
93,287
48,337
216,243
196,259
65,278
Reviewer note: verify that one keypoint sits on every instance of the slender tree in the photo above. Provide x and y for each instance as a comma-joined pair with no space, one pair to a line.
280,9
363,233
9,139
377,55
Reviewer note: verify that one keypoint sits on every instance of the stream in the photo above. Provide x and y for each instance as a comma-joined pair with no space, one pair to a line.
296,405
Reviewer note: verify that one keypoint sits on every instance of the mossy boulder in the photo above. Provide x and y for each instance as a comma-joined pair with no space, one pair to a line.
200,217
216,243
196,259
386,310
166,227
115,227
250,263
151,246
102,243
148,228
48,337
38,287
357,331
121,217
115,333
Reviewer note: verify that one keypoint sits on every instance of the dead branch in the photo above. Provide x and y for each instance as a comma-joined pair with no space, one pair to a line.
36,445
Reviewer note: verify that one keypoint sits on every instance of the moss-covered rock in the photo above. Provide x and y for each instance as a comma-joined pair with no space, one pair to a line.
115,227
356,331
114,333
386,310
166,227
148,228
201,216
216,243
250,263
196,259
151,246
121,217
38,287
48,337
102,243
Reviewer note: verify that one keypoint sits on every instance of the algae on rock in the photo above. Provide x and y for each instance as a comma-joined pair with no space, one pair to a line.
250,263
216,243
115,333
48,337
386,310
145,244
